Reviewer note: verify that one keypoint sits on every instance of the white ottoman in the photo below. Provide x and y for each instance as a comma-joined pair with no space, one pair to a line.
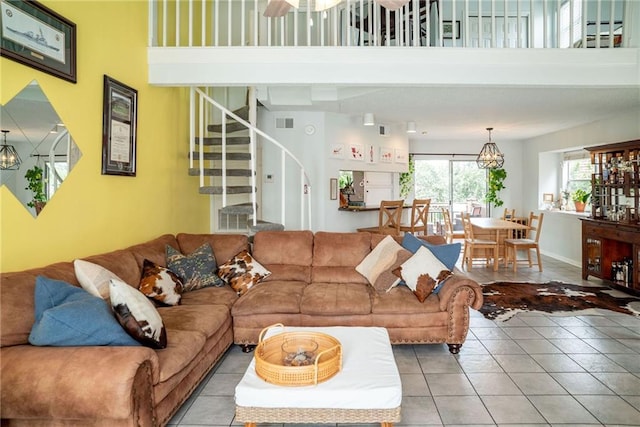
366,390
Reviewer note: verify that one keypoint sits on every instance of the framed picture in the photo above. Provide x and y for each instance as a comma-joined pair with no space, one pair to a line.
386,155
119,128
333,188
35,35
337,151
371,154
401,155
547,197
356,152
447,29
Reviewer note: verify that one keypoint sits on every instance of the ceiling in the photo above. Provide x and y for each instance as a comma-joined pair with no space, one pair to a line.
464,112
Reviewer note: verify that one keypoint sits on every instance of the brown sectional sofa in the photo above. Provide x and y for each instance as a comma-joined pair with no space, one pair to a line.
313,282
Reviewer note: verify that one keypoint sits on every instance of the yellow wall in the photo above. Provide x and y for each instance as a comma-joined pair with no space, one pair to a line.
93,213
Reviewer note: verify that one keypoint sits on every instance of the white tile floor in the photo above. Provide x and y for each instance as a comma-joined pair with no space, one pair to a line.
533,370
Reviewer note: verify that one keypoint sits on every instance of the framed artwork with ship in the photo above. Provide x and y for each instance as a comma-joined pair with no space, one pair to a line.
38,37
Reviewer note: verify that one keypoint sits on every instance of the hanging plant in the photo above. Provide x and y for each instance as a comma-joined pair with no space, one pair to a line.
35,184
406,178
496,183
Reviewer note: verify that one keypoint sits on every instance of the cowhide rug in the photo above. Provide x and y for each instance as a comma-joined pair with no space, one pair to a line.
503,300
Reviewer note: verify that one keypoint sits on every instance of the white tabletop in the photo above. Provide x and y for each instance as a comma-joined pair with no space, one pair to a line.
369,378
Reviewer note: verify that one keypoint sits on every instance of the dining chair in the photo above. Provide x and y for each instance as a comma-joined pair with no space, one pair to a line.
419,217
471,244
512,246
389,218
449,233
476,211
509,214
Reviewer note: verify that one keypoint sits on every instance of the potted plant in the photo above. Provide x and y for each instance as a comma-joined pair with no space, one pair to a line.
580,199
35,184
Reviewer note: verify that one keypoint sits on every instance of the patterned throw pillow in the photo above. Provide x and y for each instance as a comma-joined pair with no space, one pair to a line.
242,272
160,283
378,262
137,315
93,278
196,270
422,273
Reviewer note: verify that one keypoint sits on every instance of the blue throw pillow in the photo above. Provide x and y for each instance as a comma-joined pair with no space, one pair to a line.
66,315
446,254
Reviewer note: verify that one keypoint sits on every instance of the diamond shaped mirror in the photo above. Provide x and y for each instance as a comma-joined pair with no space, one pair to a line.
46,149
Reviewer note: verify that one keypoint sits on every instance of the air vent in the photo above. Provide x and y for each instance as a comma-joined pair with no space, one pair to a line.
284,123
383,130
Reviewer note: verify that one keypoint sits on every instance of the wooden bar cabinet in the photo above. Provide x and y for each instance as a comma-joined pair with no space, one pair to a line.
611,237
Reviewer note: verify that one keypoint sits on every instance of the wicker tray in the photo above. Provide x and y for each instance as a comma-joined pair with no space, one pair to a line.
270,358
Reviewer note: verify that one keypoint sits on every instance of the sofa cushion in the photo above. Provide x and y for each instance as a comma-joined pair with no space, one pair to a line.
223,295
16,294
336,299
196,270
447,254
66,315
224,246
335,256
160,283
121,262
401,301
422,273
199,318
153,250
287,254
93,278
378,261
242,272
137,315
387,278
282,297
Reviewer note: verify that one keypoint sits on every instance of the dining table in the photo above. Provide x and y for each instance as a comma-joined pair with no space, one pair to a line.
496,229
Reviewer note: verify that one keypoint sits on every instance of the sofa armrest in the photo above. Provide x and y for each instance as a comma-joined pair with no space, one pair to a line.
78,383
453,285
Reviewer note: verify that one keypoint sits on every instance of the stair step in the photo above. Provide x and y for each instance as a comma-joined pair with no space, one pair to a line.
231,189
264,225
218,172
231,140
231,127
218,156
239,209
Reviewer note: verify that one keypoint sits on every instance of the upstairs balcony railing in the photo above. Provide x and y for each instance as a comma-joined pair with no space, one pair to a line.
368,23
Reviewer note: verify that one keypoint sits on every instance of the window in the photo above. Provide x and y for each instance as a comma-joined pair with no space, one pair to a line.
576,171
569,17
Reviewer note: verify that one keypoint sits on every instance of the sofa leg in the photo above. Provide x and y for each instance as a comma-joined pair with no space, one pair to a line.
247,348
454,348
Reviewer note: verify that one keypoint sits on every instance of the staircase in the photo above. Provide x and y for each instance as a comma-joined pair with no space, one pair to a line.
227,162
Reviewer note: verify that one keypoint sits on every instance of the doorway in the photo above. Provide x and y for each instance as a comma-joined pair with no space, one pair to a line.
454,183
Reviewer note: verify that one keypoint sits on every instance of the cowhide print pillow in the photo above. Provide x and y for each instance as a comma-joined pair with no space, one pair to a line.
196,270
423,273
242,272
137,315
160,283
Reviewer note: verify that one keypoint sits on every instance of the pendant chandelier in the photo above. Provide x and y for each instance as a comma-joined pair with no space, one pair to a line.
490,156
9,158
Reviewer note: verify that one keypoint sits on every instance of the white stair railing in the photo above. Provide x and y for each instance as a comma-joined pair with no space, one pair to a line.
419,23
202,107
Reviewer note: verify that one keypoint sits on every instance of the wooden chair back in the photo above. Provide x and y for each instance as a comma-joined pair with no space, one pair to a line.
419,216
509,214
476,211
535,226
466,225
390,216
